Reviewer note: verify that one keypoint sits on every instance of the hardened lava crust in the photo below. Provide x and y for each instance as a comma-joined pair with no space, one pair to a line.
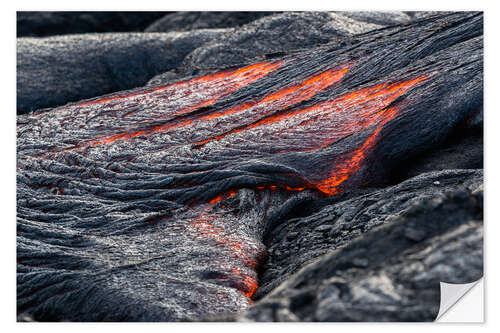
339,180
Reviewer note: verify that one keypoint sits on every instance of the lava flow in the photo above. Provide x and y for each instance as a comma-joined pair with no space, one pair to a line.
280,99
353,160
259,122
325,123
364,104
227,80
206,229
215,86
157,203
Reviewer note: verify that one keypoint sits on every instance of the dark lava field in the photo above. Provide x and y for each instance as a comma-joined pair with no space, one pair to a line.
247,166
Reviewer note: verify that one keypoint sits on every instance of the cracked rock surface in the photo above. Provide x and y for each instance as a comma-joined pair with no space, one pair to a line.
298,240
390,272
60,69
299,167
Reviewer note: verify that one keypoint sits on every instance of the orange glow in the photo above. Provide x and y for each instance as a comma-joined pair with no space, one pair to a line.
241,77
221,237
222,197
353,162
293,94
288,188
221,84
360,109
286,97
363,103
327,121
249,282
205,228
383,94
232,193
226,82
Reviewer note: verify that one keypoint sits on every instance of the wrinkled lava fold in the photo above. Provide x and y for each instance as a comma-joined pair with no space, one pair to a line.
157,197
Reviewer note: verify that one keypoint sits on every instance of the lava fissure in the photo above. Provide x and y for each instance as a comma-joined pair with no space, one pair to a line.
206,229
286,97
238,77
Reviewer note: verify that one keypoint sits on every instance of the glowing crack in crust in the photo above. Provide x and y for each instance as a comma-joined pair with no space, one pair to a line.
178,112
160,202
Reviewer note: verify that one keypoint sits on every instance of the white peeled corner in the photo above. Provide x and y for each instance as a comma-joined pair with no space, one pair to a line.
456,306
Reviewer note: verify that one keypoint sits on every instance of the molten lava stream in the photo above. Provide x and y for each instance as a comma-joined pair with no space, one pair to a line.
217,84
182,98
357,110
205,227
223,83
278,100
352,162
325,123
270,103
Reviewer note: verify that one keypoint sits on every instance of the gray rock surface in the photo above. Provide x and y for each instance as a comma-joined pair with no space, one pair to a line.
384,18
391,272
56,70
417,15
295,241
268,35
185,21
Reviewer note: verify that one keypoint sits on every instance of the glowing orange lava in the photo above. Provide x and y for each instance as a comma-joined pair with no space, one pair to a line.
286,97
239,77
353,162
355,112
217,85
362,103
370,107
207,229
383,94
249,282
222,197
293,94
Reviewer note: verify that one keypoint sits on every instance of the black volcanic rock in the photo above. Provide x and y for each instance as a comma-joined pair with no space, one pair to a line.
185,21
463,150
46,23
164,203
53,71
384,18
269,36
293,241
391,272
